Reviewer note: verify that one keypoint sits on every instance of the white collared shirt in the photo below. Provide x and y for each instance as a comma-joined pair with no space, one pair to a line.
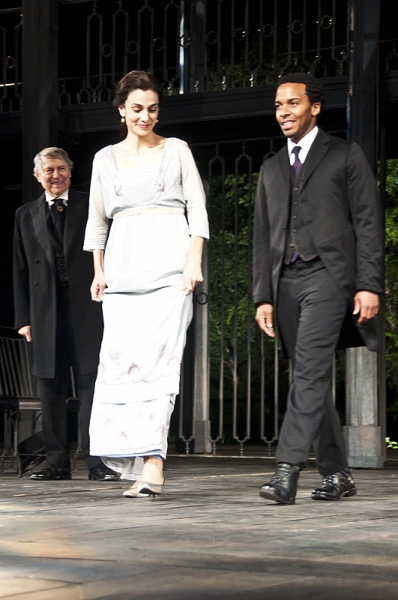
305,144
50,199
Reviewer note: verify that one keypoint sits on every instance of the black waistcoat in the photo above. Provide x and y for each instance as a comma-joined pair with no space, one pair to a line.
298,238
59,256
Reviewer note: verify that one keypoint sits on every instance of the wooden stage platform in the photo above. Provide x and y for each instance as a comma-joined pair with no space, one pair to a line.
209,536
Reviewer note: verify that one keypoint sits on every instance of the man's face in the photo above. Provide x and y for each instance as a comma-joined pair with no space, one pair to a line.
54,176
294,112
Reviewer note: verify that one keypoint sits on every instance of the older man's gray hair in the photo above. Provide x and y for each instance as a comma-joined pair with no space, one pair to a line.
51,152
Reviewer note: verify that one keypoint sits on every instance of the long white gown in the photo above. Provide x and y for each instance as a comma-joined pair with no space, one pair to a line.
153,211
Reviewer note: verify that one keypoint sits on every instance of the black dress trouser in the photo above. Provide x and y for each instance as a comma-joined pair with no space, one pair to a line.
55,391
310,313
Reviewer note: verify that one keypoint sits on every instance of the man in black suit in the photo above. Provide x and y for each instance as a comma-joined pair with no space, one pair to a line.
54,311
318,253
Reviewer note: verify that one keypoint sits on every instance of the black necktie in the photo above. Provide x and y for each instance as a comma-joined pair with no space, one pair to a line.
296,168
297,162
57,212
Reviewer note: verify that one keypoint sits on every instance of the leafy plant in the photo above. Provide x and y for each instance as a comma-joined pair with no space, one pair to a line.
391,445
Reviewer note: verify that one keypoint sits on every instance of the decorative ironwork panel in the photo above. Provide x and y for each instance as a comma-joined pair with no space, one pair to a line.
11,54
248,383
190,45
199,45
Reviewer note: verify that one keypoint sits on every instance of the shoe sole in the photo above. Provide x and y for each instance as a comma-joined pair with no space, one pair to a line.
346,494
106,478
268,495
50,478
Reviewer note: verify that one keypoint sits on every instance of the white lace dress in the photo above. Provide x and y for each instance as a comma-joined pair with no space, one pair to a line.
153,210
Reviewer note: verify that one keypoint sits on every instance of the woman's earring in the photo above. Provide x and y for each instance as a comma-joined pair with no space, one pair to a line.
123,120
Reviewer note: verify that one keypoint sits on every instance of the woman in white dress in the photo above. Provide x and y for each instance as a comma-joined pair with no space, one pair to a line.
146,268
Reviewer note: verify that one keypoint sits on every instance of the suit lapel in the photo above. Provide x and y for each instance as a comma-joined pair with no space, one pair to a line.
284,185
39,219
319,148
76,218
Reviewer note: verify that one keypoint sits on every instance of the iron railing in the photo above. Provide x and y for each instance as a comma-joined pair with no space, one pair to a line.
190,45
249,380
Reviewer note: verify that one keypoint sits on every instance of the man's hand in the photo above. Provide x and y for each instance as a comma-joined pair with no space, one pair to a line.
366,305
26,332
264,319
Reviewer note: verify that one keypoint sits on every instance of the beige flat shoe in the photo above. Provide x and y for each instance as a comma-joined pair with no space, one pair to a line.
146,488
134,492
153,472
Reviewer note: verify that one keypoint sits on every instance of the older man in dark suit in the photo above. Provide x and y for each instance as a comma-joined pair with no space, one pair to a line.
54,311
318,253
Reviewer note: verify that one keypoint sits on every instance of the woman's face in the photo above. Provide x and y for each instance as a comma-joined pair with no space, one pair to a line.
140,111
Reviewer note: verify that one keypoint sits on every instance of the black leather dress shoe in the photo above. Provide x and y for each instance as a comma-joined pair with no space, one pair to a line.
51,473
335,486
282,487
102,473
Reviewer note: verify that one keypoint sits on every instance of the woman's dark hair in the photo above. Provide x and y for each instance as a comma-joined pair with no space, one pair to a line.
136,80
313,87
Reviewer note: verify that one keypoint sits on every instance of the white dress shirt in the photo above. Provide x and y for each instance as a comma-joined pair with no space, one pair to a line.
50,199
305,144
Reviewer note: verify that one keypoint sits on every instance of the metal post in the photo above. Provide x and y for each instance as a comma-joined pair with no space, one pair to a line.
40,85
202,362
363,432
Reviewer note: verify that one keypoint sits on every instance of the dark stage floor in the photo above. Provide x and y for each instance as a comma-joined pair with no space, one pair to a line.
210,536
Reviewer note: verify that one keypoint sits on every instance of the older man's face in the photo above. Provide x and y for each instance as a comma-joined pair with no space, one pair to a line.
54,176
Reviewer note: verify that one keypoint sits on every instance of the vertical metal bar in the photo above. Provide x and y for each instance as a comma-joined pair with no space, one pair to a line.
249,301
221,276
289,35
17,70
90,77
275,44
182,49
232,56
382,311
3,33
181,435
304,35
247,36
260,58
241,441
178,49
235,319
219,36
262,387
115,16
276,389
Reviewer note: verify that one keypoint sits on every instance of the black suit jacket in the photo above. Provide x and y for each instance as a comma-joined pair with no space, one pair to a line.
35,284
340,208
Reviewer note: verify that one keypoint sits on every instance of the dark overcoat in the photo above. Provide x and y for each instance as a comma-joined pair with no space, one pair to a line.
341,213
35,284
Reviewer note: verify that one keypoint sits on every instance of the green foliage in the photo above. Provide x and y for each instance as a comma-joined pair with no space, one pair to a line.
236,355
391,282
391,445
261,66
235,340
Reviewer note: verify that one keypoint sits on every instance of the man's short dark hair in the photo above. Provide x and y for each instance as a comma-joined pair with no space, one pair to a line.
313,87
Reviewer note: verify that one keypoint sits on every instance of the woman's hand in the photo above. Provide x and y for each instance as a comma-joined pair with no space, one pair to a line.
97,287
191,275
